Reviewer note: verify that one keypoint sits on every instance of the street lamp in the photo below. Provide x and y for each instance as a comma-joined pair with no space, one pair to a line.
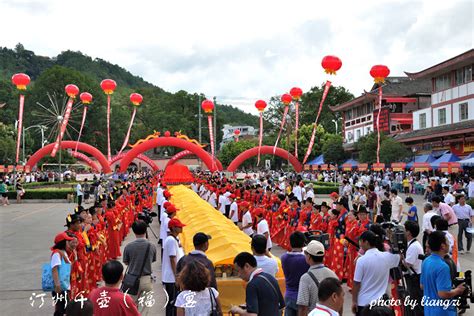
43,141
335,123
413,150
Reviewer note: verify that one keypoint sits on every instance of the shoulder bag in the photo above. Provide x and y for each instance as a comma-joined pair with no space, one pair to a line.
131,282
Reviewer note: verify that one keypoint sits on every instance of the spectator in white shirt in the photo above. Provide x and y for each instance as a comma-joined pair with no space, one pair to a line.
309,192
212,197
413,264
371,274
247,223
262,227
234,209
448,197
298,192
465,216
426,227
331,298
470,187
264,260
397,205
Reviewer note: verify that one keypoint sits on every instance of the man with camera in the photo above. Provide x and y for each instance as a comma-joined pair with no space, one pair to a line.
371,274
436,279
413,264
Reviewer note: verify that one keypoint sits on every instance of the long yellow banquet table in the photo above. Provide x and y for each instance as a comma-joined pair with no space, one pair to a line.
227,241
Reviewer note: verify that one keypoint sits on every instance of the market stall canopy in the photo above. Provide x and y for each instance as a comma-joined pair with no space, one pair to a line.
469,162
317,161
421,158
444,158
349,164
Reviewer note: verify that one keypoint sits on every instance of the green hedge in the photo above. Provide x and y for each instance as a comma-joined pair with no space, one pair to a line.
43,194
321,183
38,185
470,202
325,189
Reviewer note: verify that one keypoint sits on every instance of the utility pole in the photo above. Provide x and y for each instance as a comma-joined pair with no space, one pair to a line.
215,123
199,115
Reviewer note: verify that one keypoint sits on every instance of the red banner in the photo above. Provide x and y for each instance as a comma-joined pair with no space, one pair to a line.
297,124
450,167
285,112
20,126
211,136
399,166
20,168
313,134
2,168
27,169
84,113
10,168
378,124
109,156
127,137
307,167
378,167
421,166
363,166
347,167
260,138
67,114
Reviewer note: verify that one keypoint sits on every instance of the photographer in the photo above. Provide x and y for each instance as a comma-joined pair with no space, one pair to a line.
413,264
436,279
371,274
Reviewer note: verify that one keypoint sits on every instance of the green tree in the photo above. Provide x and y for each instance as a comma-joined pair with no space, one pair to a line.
392,151
304,136
233,149
7,144
333,150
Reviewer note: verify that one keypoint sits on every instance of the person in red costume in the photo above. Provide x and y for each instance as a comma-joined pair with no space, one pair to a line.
316,222
113,241
339,233
306,211
77,257
352,250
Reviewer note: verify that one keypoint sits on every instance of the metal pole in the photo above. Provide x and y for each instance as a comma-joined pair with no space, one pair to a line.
215,123
199,115
60,156
42,136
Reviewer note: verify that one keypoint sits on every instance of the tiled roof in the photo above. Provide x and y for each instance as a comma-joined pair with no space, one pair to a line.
434,132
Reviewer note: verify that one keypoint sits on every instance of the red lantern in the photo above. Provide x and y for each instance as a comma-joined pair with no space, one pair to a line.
136,99
296,93
237,132
167,134
379,73
260,105
86,97
286,99
207,106
331,64
72,90
108,85
21,80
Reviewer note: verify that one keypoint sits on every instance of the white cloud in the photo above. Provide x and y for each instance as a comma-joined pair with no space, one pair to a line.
246,50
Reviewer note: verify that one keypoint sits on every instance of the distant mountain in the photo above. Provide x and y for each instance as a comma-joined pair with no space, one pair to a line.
161,110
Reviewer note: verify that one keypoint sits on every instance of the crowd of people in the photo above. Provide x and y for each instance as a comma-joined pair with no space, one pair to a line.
347,240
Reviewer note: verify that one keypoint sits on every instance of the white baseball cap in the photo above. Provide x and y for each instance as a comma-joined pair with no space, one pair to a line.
314,248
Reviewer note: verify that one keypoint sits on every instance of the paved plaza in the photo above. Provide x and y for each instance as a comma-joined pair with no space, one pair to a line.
27,231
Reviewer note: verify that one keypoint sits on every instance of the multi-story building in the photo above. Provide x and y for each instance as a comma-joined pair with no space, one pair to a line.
401,97
448,123
246,132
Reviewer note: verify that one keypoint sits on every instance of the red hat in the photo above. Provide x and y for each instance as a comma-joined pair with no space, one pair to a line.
167,193
163,184
174,222
62,236
334,195
166,204
171,209
245,204
232,196
258,211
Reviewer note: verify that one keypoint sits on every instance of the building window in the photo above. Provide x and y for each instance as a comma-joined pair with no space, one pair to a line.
463,112
441,116
423,120
464,75
358,134
349,115
442,82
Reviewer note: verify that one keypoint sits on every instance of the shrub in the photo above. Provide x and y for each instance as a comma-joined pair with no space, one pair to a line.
44,194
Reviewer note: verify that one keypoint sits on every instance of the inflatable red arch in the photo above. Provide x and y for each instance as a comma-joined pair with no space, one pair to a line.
264,150
69,144
171,142
86,159
141,157
185,153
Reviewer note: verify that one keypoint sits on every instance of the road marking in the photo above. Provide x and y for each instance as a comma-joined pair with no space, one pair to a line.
34,212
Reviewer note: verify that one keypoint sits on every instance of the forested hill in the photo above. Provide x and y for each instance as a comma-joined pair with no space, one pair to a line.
161,110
